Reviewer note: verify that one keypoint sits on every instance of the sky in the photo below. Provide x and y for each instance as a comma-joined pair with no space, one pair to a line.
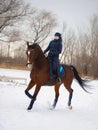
76,13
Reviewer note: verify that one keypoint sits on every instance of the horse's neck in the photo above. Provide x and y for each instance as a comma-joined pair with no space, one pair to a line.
43,57
41,61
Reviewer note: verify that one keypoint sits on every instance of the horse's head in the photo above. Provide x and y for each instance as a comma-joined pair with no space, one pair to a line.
32,52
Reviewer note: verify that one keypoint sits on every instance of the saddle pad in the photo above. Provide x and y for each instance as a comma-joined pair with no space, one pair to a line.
62,72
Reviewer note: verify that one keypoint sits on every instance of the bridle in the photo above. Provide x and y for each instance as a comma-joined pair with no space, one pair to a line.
28,63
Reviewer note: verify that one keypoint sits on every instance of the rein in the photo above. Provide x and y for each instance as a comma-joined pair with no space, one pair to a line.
28,63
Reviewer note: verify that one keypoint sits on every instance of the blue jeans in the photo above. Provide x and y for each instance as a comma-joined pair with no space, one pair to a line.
53,59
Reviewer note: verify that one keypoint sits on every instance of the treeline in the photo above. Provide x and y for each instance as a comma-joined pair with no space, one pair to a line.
13,63
81,50
20,22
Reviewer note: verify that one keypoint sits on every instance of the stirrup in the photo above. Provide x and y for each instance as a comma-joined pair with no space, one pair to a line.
49,81
59,80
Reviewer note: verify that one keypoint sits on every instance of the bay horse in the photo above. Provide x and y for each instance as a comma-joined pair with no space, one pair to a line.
40,75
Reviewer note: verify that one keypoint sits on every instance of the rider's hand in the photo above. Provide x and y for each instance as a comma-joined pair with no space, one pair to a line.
44,52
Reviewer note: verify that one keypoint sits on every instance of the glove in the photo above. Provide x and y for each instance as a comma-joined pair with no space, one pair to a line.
44,52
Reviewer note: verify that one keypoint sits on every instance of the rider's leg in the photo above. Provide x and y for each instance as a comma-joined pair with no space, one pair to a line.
56,60
51,67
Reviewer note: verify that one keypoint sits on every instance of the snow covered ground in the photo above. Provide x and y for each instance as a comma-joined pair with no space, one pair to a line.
13,104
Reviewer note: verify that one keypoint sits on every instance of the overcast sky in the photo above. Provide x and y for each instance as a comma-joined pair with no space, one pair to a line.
75,13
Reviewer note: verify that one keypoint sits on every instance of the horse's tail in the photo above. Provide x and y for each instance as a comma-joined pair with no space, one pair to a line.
82,83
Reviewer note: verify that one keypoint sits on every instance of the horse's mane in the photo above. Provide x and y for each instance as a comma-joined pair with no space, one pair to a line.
37,46
34,46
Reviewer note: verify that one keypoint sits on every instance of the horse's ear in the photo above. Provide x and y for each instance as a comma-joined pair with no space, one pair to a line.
27,43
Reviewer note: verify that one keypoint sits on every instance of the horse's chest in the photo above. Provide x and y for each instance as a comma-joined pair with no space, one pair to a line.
35,73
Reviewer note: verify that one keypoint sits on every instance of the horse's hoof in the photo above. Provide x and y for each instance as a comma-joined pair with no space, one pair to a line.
52,108
28,110
70,107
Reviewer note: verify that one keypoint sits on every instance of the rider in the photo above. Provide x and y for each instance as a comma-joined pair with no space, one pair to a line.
54,48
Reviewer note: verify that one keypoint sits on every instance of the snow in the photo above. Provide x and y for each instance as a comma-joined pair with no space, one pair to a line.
13,104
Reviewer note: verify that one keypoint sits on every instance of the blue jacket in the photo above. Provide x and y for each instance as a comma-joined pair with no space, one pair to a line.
54,48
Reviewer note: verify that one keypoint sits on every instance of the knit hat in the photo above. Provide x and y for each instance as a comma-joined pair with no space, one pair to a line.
58,34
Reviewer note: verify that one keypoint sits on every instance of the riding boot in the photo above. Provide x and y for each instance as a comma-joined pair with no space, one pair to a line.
58,73
51,79
52,76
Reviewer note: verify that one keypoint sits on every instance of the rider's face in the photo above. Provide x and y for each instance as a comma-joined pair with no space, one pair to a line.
56,37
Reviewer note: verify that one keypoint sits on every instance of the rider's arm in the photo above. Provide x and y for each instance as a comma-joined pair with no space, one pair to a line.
47,49
59,49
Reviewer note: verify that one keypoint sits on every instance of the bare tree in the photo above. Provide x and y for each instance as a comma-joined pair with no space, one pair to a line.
11,11
41,25
94,45
86,58
94,35
69,41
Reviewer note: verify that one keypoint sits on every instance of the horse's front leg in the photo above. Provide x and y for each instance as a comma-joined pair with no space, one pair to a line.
37,89
31,84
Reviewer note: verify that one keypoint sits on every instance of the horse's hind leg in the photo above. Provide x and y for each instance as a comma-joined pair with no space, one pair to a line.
37,89
70,99
70,90
56,96
31,84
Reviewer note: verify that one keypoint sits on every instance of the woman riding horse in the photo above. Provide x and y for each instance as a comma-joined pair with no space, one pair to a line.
40,75
54,48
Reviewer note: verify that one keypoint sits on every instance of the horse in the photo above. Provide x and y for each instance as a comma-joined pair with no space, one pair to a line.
40,75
